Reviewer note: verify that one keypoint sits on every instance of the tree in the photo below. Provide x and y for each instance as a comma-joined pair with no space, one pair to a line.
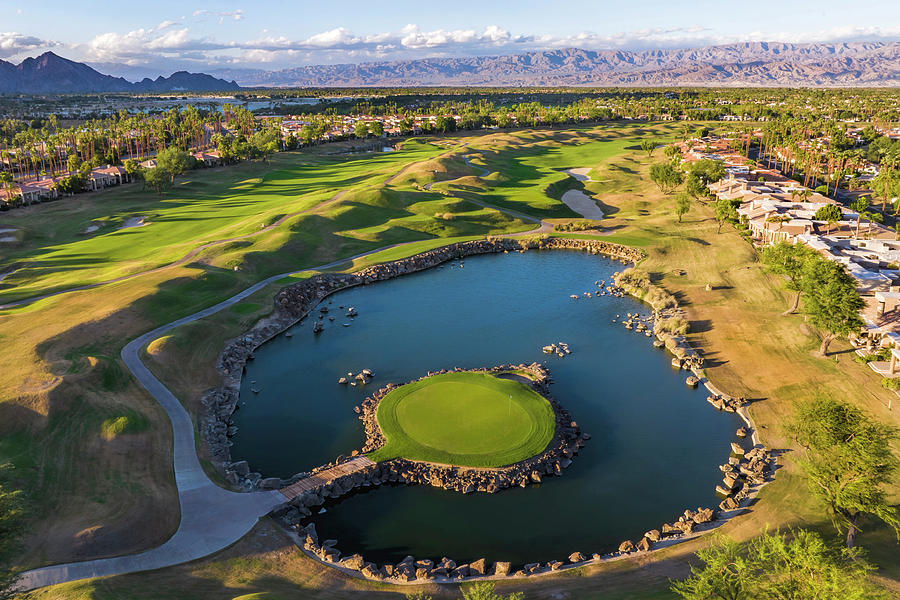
445,124
788,260
831,300
666,176
848,459
778,566
158,178
707,170
860,206
672,151
649,145
11,518
830,213
133,168
724,212
265,143
377,128
694,186
485,590
682,205
174,162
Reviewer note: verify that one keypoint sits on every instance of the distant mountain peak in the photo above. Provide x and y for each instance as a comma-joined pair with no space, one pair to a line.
743,63
50,73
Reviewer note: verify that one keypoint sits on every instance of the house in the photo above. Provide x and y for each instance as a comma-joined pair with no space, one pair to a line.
208,158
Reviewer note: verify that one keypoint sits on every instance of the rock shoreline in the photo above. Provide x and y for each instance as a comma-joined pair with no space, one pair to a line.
293,303
743,474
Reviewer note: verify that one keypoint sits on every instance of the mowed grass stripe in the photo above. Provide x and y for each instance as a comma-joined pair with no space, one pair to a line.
465,419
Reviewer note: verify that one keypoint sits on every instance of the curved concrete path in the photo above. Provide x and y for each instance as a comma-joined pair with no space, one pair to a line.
212,518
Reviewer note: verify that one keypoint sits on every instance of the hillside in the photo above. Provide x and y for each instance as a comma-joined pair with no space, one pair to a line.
748,64
49,73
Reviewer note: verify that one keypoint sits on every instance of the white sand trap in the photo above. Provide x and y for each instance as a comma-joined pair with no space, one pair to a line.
582,204
581,173
133,222
8,240
2,231
91,228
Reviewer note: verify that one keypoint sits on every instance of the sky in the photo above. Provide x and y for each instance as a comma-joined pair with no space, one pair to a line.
162,36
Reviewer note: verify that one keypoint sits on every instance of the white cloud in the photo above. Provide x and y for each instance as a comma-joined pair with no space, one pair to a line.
176,44
13,43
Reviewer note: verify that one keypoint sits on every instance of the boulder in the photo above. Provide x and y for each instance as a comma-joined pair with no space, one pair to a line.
626,546
501,568
729,504
241,467
643,545
653,535
478,567
371,572
669,530
576,557
270,483
460,572
704,515
423,573
736,449
354,562
555,565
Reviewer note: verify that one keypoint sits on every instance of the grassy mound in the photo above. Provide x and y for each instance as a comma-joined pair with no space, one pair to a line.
465,419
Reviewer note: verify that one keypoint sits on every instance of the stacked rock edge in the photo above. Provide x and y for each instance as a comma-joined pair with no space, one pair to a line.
747,473
566,442
294,302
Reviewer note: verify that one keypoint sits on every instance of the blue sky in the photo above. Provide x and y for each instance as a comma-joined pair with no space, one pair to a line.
164,35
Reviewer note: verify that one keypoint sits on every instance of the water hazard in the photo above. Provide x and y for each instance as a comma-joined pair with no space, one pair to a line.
655,443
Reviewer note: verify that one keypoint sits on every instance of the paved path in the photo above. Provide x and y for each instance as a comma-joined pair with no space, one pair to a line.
322,477
212,518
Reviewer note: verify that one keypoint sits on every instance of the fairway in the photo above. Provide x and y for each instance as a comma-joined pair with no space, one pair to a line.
465,419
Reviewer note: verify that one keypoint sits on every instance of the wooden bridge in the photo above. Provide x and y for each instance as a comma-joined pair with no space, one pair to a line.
360,463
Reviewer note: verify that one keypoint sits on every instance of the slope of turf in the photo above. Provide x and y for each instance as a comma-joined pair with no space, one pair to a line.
465,419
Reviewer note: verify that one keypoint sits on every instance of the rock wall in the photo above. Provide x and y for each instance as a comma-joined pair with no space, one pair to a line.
294,302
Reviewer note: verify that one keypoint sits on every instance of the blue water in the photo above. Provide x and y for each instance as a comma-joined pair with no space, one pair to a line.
655,442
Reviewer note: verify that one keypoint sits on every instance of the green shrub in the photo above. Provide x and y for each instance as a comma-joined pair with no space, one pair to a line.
890,384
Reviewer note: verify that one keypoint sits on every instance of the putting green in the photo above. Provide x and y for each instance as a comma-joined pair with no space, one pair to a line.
465,419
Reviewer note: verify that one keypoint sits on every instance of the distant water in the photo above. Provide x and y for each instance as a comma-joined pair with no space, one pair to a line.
655,443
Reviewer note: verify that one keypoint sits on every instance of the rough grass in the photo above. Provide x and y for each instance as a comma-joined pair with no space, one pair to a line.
464,419
130,422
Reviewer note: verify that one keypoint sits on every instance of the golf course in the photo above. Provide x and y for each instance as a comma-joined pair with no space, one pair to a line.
92,450
464,419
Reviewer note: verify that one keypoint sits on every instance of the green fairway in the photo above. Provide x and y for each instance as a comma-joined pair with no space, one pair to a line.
465,419
57,252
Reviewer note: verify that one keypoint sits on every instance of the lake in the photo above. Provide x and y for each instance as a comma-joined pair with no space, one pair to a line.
655,442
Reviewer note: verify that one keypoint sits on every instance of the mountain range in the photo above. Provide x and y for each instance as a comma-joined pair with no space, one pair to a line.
747,64
52,74
870,64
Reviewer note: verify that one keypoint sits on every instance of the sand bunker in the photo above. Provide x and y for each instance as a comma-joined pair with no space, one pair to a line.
582,204
133,222
91,228
581,173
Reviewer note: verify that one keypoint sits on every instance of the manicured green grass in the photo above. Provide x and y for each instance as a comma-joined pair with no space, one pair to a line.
531,180
204,206
465,419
